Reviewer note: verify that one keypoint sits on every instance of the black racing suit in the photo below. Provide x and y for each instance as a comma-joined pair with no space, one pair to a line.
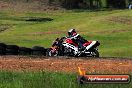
79,40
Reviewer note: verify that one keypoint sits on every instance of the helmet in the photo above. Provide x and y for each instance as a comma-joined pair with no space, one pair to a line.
71,32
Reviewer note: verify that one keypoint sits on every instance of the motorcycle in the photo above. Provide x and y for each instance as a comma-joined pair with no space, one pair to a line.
56,49
67,47
72,49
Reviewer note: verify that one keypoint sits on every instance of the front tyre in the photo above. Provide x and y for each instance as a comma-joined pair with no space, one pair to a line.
51,53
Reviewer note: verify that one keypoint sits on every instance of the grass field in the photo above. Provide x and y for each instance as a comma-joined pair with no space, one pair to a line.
48,80
112,28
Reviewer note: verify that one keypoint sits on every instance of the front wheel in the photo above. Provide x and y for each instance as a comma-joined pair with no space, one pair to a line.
95,53
50,52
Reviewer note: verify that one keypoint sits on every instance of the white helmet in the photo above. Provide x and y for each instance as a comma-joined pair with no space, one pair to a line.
71,31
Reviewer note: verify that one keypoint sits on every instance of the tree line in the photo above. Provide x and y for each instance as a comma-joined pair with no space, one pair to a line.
83,4
91,4
76,4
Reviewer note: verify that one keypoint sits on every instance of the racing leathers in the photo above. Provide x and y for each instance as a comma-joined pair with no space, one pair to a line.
78,39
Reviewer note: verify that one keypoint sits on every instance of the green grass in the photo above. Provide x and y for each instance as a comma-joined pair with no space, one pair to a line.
48,80
112,28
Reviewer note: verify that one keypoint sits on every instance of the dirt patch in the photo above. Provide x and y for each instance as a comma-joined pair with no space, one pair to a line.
4,27
120,19
34,5
3,5
62,64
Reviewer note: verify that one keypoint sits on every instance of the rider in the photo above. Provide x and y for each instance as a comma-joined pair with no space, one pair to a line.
76,38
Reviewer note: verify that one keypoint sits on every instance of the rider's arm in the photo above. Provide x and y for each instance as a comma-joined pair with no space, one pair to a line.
75,37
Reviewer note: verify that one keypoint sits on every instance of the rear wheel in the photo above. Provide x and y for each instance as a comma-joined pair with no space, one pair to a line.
95,53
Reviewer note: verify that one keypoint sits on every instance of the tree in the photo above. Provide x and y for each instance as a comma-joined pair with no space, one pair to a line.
117,3
70,3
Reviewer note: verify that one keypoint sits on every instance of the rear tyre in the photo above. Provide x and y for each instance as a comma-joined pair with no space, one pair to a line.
95,53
